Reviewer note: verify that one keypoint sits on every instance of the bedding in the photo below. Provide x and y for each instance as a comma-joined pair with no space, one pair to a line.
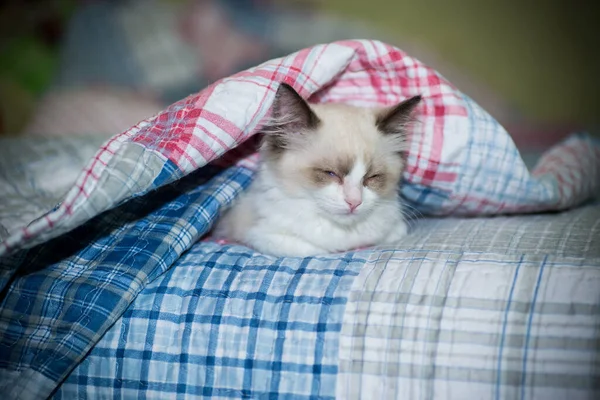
120,292
37,171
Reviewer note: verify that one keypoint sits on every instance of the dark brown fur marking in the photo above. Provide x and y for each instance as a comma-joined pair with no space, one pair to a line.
288,103
341,167
320,177
393,120
376,182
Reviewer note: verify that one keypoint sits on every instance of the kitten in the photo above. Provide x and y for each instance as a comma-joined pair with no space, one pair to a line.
327,181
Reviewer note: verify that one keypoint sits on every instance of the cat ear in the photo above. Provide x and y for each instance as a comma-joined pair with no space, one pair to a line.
291,116
291,112
394,120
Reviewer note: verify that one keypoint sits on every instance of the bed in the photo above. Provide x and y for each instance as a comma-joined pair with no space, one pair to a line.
132,305
112,287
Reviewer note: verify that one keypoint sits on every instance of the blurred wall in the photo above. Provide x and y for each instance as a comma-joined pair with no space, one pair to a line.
543,56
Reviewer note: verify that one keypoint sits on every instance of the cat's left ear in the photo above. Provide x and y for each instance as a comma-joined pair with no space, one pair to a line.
394,120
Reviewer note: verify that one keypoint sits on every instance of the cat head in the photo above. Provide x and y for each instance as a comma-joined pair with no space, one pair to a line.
345,159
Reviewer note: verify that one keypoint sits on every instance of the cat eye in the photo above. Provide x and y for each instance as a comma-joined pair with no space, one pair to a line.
326,174
376,176
372,178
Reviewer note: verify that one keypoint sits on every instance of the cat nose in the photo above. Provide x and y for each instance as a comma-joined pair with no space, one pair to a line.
353,203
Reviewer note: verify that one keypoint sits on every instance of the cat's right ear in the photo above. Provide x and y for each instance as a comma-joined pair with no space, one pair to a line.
291,115
291,110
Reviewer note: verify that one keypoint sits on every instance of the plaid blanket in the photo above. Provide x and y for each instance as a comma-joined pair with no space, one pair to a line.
461,160
209,320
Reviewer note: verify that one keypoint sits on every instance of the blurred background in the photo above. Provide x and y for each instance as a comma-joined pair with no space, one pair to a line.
100,66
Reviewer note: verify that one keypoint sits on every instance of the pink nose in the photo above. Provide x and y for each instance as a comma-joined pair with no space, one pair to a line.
353,203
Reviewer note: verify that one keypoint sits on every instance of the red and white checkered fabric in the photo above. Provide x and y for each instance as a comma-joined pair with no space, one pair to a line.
461,161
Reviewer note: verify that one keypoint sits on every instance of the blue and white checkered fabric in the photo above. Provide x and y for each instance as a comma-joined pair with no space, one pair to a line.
67,292
228,323
121,302
131,305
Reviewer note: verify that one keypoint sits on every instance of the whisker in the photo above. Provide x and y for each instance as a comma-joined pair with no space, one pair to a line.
412,215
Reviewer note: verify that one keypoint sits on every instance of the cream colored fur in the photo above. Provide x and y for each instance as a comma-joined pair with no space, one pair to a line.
293,208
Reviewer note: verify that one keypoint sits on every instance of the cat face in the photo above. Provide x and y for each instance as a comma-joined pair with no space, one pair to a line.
345,160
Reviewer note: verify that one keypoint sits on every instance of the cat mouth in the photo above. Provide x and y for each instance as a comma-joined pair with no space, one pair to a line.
352,214
343,214
349,218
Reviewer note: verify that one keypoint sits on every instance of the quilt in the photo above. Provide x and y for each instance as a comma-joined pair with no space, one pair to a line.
113,291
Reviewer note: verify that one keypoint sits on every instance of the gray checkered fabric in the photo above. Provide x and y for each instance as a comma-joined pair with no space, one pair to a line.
573,233
36,172
497,308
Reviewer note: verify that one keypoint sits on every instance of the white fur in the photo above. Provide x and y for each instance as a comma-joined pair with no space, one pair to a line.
285,214
332,198
271,221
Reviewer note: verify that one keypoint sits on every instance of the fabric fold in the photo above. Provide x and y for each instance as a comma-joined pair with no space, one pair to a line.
461,161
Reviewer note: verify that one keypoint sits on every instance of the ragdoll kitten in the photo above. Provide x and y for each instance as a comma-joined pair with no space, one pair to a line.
327,181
